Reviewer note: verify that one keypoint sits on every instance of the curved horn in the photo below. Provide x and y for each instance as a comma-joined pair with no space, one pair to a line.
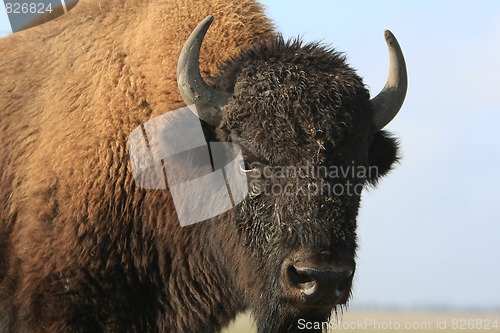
388,102
193,88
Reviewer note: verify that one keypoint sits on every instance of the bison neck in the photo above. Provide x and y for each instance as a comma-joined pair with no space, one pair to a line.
195,288
172,277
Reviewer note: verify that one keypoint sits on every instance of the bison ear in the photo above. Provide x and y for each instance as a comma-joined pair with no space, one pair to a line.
382,154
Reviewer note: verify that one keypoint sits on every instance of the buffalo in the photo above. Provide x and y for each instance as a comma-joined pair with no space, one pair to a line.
84,248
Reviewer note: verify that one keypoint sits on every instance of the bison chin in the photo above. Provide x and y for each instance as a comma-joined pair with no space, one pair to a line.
273,317
290,310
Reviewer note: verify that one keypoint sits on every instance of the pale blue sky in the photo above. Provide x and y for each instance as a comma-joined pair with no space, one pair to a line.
429,234
4,21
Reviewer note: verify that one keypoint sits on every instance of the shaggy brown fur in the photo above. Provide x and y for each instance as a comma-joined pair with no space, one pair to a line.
83,249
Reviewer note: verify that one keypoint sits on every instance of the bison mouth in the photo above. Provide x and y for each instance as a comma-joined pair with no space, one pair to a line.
283,319
293,311
311,289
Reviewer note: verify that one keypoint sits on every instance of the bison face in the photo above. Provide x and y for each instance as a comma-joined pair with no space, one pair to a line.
311,141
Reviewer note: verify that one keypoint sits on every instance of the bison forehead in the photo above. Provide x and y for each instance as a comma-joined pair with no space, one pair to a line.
291,102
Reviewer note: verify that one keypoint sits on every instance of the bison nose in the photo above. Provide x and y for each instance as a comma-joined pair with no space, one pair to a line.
320,282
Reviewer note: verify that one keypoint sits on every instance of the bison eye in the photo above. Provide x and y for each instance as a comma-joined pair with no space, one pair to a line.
247,167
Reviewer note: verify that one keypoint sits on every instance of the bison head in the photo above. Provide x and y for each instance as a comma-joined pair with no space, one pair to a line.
311,139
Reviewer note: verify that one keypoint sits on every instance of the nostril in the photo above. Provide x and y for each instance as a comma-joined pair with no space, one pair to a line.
298,278
321,283
342,287
301,280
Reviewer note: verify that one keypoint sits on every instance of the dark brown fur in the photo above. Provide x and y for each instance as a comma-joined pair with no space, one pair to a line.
82,248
